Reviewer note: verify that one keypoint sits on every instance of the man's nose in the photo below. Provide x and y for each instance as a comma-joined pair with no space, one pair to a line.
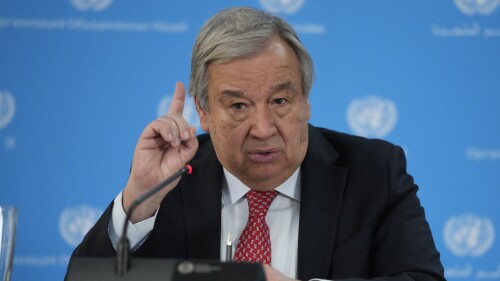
262,123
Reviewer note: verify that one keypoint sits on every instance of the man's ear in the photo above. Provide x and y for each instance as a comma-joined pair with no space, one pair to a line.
202,114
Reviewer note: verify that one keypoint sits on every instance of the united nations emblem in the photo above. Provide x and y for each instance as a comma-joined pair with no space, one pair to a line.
472,7
372,116
282,6
469,235
189,113
96,5
75,222
7,108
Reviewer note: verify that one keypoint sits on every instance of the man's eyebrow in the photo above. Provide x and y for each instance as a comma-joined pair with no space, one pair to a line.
231,94
288,85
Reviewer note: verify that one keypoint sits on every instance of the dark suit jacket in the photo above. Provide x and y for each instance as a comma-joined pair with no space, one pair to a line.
359,214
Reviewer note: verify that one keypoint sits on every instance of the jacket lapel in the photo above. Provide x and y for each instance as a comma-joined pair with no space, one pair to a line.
202,195
322,189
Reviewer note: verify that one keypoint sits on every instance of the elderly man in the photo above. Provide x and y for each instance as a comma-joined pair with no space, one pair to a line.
307,202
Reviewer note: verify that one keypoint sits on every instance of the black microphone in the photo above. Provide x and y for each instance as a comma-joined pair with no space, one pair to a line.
123,247
124,268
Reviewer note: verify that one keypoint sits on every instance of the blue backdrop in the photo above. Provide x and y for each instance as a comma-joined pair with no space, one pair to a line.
79,80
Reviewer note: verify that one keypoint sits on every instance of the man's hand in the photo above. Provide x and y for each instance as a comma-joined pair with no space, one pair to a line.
274,275
164,147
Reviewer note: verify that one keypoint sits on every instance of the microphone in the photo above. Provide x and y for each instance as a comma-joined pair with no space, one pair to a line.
124,268
123,247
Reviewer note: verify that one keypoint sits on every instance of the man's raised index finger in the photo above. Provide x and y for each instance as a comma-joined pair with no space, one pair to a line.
177,104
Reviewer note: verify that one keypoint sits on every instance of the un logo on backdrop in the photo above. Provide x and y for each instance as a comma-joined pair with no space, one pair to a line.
472,7
469,235
189,112
96,5
76,221
7,108
282,6
372,116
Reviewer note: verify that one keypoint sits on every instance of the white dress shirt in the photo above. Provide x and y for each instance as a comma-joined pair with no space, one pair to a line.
282,219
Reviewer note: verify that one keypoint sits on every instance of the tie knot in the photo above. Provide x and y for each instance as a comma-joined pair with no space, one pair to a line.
259,202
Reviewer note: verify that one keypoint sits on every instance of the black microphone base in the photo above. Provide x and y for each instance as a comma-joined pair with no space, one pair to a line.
103,269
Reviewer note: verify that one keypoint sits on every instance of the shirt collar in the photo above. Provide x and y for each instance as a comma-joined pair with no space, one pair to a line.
233,190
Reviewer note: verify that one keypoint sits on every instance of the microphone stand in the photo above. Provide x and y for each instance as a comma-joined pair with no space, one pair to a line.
123,247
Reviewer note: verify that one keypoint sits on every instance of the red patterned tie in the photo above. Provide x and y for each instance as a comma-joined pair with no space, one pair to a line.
254,244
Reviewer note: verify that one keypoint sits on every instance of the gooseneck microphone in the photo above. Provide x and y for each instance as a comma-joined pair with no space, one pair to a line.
123,247
123,267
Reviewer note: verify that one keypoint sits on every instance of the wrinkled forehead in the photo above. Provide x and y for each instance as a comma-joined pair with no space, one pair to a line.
275,69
